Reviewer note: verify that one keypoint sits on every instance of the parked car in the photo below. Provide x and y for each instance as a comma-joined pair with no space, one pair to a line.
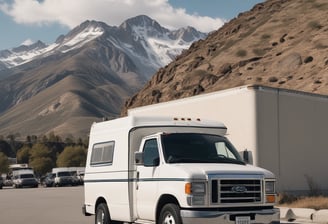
1,182
48,180
77,177
7,181
24,178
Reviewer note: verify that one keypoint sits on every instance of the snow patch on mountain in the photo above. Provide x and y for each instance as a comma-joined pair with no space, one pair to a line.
167,49
162,45
15,58
18,58
82,38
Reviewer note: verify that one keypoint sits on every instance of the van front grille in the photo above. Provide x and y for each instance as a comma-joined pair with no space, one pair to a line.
232,191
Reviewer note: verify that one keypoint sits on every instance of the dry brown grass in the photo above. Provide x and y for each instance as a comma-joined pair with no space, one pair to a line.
315,202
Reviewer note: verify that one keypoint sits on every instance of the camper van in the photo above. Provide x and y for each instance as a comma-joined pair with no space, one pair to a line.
24,178
173,170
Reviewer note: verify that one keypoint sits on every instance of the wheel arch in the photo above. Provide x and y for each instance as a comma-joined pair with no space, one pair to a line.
99,201
163,200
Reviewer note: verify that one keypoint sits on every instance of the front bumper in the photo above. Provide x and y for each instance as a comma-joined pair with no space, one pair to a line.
265,216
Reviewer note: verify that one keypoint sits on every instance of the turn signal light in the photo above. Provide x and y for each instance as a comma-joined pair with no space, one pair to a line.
271,199
188,188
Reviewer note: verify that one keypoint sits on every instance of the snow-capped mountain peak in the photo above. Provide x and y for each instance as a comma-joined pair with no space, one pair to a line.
160,44
145,23
141,37
21,54
79,36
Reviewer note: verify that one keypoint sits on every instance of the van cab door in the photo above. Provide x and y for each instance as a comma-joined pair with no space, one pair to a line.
147,180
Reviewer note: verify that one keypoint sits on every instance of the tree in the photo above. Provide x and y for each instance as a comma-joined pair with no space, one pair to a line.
4,163
34,138
40,159
54,138
23,155
69,141
15,145
42,165
72,156
6,149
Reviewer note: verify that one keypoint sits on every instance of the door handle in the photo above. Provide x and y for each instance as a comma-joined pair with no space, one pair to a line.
137,180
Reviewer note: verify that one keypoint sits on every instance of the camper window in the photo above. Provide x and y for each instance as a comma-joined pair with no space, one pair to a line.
102,154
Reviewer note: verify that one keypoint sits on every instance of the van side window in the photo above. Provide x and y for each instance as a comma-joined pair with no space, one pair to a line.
151,155
102,153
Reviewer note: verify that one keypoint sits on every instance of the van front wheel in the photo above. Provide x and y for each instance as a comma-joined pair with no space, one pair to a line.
170,214
102,214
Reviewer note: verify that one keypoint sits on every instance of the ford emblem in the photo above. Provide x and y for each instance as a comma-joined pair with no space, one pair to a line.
239,189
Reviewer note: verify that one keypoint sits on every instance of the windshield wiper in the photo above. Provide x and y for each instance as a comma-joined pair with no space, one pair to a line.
182,160
229,160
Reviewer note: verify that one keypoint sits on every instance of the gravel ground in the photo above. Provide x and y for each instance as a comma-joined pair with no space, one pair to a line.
43,205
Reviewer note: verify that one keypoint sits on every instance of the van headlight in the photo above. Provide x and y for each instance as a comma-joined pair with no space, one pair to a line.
270,191
270,187
196,193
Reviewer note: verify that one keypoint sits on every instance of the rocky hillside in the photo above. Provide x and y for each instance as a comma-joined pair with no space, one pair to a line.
279,43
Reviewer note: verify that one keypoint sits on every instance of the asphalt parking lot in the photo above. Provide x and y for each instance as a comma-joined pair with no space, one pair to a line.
61,205
43,205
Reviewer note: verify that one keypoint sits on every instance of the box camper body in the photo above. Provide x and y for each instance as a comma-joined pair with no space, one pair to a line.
286,131
172,170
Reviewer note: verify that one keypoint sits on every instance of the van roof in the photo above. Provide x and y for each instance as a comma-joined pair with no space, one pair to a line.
23,171
144,121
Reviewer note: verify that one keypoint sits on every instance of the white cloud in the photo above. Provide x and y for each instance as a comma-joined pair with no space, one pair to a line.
27,42
113,12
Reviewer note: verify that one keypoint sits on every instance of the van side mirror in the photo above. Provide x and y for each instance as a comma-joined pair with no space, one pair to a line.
247,156
138,156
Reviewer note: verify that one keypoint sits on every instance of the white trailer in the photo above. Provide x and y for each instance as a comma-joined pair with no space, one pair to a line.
286,131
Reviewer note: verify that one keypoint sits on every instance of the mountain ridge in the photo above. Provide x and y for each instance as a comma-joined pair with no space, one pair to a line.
85,75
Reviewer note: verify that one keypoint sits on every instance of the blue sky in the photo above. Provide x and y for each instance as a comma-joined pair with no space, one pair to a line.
26,21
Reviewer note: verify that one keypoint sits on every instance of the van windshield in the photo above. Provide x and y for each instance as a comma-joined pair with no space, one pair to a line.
64,174
198,148
24,176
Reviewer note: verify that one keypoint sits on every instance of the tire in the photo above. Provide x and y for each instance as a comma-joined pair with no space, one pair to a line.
170,214
102,214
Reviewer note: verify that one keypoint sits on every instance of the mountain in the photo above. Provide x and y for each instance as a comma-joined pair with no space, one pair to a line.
84,76
278,43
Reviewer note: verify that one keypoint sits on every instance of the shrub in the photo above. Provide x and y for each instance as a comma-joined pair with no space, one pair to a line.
265,36
273,79
314,25
285,198
321,46
258,52
313,186
241,53
308,59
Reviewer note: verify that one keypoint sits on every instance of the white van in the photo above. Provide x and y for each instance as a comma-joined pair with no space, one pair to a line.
62,176
24,178
170,170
